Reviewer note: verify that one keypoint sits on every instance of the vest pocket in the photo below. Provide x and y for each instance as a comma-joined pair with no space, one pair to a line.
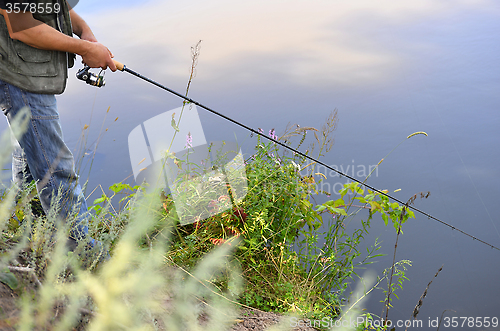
28,54
30,61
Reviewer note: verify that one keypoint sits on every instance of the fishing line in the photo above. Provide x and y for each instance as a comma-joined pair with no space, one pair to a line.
463,164
456,241
122,67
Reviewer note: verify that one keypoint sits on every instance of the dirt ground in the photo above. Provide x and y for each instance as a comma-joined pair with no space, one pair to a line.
8,310
252,320
248,320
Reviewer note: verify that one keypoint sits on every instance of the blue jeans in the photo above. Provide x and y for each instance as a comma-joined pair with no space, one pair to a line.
41,155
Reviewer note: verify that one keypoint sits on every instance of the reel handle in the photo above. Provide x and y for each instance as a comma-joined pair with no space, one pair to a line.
120,66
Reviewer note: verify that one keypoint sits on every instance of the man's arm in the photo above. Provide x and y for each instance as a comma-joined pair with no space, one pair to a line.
23,27
81,28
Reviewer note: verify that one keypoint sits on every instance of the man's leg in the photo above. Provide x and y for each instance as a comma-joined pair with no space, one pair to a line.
48,159
21,174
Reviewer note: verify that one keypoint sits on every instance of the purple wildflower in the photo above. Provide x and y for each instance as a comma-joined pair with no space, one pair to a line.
272,134
189,140
261,131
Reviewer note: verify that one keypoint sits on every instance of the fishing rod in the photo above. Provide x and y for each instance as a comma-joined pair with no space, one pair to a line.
122,67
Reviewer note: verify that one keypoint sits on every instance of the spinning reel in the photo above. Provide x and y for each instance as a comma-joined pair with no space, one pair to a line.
90,77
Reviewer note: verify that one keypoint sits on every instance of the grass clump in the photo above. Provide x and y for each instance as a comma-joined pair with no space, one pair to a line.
135,289
296,255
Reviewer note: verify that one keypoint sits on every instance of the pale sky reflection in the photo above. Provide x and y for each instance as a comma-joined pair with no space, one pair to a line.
314,42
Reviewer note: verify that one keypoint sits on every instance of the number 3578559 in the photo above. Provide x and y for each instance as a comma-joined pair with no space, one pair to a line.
34,8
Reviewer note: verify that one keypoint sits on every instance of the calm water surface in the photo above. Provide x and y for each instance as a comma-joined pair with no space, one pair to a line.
390,68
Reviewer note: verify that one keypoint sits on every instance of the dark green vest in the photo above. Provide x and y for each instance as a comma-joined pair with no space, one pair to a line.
32,69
